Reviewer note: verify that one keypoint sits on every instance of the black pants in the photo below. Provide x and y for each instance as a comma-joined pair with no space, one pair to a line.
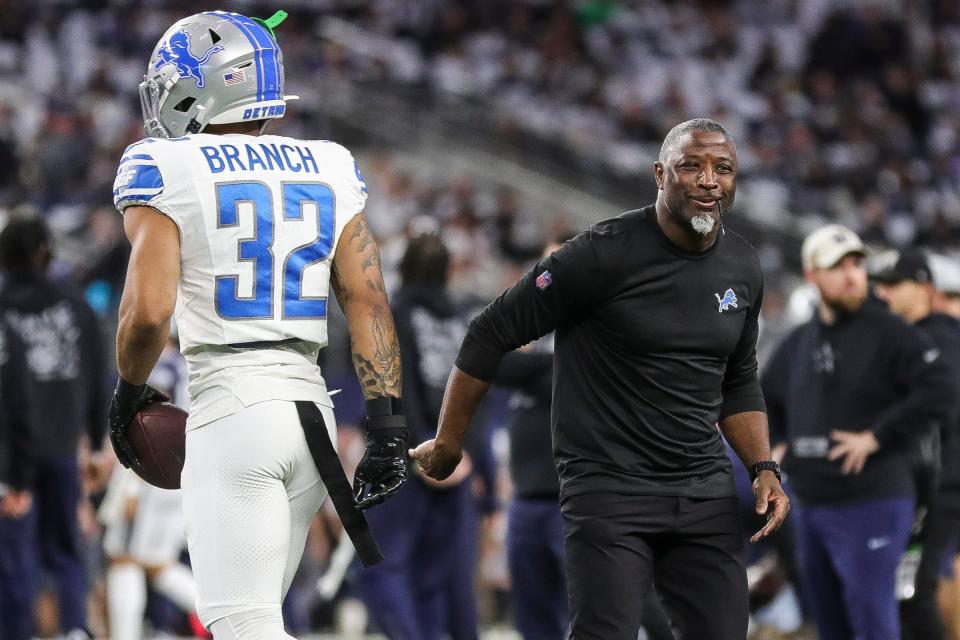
920,615
617,546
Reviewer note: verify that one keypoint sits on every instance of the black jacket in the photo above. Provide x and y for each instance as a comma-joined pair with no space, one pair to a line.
869,370
65,359
17,455
944,332
429,330
530,374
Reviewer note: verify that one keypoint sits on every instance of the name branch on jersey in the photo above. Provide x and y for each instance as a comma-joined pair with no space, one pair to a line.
259,157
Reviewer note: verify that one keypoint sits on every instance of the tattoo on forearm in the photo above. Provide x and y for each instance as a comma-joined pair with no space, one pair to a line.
373,271
380,375
379,371
367,247
388,349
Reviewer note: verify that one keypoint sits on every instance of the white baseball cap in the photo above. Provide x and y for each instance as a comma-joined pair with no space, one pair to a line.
824,248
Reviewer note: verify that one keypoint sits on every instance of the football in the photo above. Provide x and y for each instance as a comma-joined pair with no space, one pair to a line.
158,436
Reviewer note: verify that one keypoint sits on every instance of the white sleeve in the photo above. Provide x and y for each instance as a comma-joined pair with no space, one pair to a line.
355,190
141,180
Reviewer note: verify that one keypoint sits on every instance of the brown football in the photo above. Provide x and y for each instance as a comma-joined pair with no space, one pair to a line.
158,436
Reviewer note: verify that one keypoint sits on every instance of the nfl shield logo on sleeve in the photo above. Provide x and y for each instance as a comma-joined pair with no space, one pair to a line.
544,280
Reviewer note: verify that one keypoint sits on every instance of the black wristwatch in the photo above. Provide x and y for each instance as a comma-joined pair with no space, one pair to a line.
765,465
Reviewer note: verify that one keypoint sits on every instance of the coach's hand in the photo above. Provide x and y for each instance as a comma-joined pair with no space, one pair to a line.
854,447
436,460
771,502
15,504
383,469
128,399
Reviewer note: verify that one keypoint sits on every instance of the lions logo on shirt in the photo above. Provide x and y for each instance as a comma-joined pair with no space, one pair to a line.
728,300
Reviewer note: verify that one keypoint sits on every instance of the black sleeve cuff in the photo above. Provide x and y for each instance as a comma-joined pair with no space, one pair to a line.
477,359
742,401
383,406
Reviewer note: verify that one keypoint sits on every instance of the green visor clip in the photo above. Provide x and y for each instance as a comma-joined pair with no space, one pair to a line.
272,22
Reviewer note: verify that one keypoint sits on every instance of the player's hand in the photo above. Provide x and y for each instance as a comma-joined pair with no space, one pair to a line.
436,460
854,447
771,502
128,399
383,469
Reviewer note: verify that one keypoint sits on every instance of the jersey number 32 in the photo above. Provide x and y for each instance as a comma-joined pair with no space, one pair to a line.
259,249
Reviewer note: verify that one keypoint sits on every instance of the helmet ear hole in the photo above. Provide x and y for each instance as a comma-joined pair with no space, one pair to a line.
214,36
184,105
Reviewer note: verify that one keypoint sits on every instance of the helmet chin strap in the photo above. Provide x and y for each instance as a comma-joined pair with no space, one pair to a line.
194,125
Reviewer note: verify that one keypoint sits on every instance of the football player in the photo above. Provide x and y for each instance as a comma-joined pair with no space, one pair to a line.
242,235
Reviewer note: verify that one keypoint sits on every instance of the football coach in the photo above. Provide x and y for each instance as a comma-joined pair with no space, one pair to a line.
656,318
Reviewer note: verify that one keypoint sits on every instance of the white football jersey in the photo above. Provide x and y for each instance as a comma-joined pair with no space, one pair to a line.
259,220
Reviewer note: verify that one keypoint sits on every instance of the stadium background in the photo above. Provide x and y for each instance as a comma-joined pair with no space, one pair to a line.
508,122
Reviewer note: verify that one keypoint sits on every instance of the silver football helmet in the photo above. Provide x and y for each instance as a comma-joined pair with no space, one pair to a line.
213,68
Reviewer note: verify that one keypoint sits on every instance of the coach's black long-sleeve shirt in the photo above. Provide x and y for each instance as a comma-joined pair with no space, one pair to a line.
653,346
869,370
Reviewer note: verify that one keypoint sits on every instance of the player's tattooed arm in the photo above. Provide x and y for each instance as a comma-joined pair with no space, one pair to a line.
357,281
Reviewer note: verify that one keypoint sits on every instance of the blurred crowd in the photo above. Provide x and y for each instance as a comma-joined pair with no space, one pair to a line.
843,110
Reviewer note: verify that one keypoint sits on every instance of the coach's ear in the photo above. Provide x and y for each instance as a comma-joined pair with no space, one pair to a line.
658,174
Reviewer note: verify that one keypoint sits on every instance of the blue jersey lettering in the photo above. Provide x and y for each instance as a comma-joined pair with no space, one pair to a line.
214,161
268,157
306,156
232,154
286,149
273,156
253,158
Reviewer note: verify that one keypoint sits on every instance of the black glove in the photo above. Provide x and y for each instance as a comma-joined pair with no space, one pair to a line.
128,399
383,468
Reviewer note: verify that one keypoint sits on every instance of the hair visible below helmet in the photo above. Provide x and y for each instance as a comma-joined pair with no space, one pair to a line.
212,68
